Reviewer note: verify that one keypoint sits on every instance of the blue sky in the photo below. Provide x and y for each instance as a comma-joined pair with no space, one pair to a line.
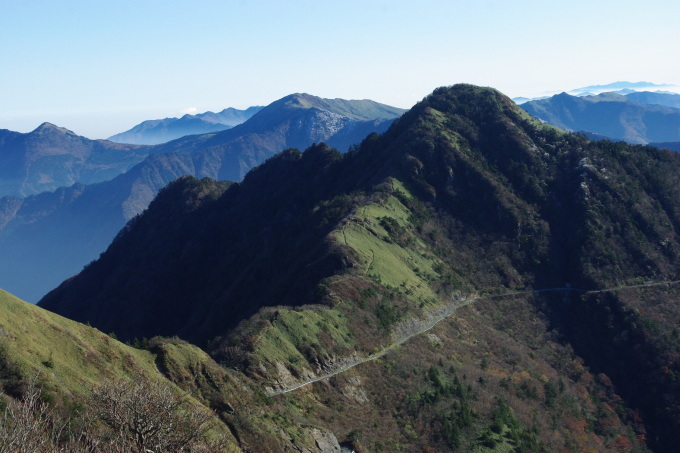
99,67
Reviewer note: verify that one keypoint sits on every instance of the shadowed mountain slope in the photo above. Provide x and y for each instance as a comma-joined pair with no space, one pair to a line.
317,258
47,238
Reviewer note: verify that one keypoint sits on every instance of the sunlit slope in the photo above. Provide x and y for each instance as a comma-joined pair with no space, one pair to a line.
69,356
69,359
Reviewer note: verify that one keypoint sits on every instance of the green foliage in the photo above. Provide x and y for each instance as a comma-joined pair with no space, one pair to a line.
298,337
551,392
391,253
505,430
395,231
388,315
355,435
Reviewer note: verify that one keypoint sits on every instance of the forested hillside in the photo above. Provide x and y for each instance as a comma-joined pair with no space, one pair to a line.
489,281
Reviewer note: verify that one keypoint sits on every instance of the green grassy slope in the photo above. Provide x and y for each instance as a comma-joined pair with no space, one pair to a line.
70,359
69,356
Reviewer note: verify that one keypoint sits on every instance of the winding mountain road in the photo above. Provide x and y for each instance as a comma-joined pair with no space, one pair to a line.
414,327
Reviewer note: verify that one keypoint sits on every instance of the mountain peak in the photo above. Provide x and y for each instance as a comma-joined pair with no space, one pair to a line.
470,101
461,94
362,110
51,128
301,100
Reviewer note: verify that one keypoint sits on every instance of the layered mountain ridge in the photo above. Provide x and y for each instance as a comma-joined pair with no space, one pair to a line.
48,237
294,121
154,132
320,260
45,238
51,157
635,118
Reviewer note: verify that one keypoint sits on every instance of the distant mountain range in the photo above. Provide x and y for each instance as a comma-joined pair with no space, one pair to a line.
45,238
353,113
153,132
643,97
48,237
294,121
615,87
673,146
613,115
656,98
51,157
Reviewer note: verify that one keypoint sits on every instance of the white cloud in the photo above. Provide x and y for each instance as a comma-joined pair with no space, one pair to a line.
189,110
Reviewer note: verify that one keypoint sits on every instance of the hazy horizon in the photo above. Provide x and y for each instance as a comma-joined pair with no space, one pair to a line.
99,69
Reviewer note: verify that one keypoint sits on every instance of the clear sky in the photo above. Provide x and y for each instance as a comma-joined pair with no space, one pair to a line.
99,67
